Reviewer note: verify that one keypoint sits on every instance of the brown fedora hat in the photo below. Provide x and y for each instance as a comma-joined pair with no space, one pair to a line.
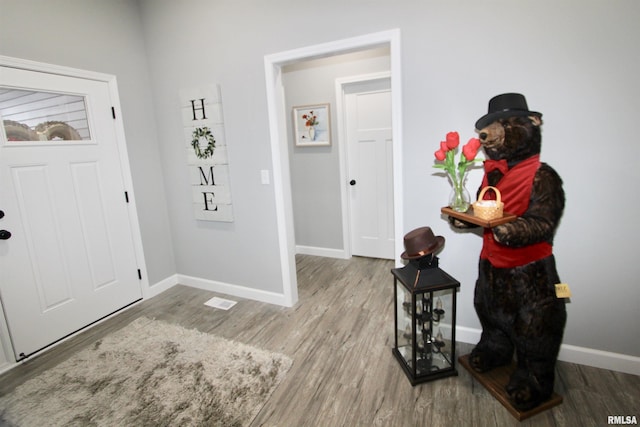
421,242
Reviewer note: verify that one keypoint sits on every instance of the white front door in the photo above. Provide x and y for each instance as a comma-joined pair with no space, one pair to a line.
70,258
370,168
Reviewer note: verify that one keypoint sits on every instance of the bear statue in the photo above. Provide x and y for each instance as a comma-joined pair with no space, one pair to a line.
515,296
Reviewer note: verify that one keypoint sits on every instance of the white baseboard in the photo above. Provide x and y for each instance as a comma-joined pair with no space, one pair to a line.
325,252
161,286
573,354
468,335
600,359
568,353
233,290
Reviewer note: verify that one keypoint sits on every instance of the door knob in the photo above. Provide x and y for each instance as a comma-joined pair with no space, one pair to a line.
352,182
5,235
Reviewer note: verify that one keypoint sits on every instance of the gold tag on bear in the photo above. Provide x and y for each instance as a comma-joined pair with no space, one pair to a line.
563,291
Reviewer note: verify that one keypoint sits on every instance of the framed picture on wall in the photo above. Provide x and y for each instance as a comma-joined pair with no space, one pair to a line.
312,125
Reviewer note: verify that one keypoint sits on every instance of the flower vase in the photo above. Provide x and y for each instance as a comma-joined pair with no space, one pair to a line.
459,200
312,133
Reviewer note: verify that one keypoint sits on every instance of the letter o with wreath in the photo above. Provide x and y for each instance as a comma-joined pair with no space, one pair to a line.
203,150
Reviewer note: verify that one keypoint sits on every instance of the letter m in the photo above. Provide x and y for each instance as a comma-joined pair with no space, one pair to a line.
205,177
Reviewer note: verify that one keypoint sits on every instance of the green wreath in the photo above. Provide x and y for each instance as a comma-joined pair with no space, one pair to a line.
203,132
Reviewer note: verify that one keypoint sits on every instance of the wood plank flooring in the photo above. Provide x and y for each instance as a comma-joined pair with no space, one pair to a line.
340,336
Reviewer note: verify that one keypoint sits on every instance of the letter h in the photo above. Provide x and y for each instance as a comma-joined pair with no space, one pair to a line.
194,109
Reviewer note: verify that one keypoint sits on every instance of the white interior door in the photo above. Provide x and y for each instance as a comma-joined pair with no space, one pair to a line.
370,168
70,258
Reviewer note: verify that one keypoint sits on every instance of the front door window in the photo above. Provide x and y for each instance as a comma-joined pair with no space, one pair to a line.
43,116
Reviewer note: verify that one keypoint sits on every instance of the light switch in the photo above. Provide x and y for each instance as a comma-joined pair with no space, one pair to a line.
265,176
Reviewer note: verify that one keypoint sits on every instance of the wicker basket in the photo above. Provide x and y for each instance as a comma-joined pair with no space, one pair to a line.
488,209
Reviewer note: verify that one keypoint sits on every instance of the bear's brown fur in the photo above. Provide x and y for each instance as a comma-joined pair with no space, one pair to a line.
517,306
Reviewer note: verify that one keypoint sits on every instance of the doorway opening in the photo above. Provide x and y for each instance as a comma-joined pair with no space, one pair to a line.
279,140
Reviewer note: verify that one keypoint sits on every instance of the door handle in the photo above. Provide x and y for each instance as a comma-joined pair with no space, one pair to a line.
352,182
1,214
5,235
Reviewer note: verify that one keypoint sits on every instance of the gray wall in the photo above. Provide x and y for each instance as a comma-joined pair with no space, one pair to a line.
577,62
315,171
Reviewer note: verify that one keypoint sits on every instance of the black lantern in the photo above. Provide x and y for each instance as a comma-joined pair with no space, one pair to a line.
425,320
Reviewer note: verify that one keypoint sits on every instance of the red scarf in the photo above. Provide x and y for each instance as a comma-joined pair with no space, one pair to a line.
515,188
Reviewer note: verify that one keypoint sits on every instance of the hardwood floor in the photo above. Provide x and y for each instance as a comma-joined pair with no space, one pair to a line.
340,336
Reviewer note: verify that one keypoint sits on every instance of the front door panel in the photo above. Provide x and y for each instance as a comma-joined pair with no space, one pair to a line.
70,258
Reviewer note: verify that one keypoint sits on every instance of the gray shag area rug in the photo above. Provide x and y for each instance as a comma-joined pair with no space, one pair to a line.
150,373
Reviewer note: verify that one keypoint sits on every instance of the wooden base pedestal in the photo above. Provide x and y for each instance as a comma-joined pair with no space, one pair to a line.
495,382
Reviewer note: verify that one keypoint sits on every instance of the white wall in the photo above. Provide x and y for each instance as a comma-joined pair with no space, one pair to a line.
576,61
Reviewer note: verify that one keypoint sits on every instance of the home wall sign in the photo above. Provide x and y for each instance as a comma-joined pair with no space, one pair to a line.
206,149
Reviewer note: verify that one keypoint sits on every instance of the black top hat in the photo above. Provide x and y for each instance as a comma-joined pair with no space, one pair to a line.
421,242
505,105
